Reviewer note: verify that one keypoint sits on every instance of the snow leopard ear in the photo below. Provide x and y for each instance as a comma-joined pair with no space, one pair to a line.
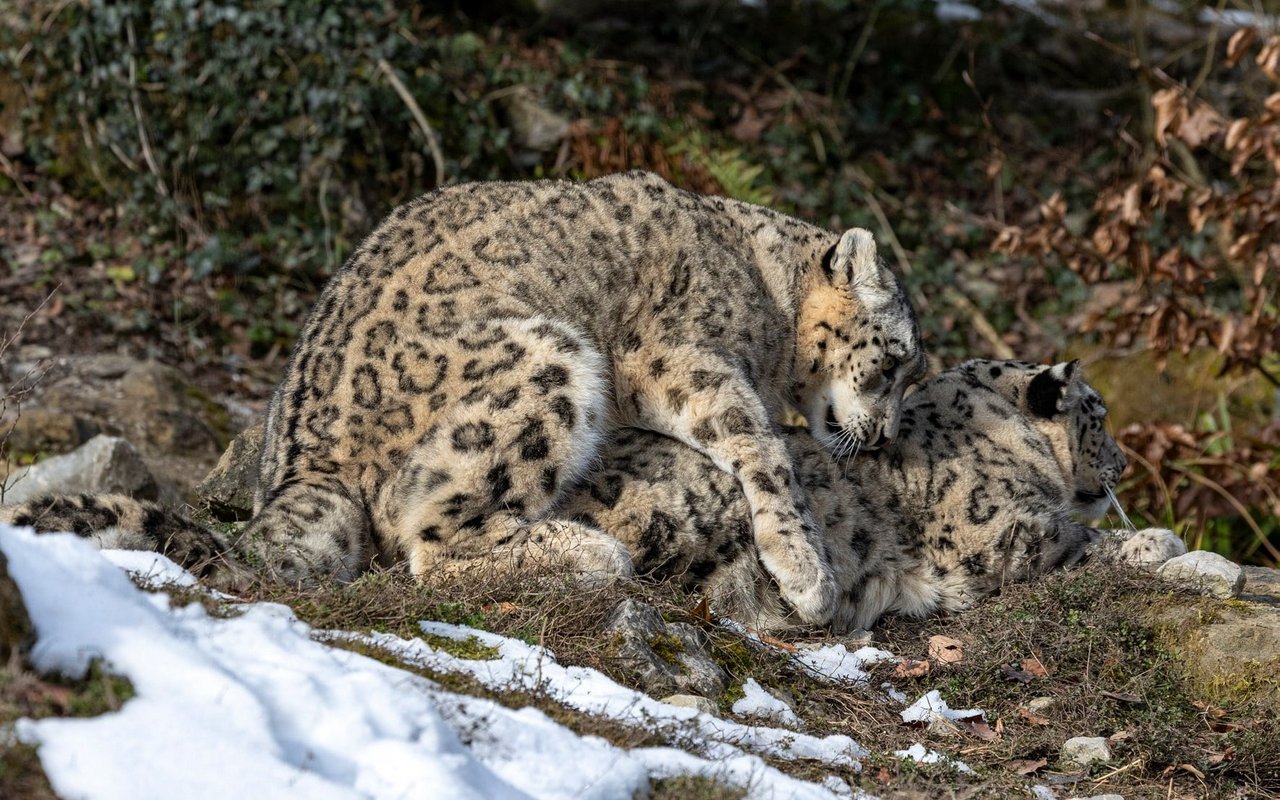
853,261
1047,394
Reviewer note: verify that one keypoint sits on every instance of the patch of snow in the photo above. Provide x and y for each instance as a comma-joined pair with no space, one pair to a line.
150,568
893,693
1042,792
837,786
1231,18
254,706
957,12
529,667
756,702
835,663
922,755
932,707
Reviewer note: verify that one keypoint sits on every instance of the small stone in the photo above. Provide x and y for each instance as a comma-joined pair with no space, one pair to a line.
853,640
1082,751
533,126
1044,706
691,701
229,488
1209,573
103,465
668,658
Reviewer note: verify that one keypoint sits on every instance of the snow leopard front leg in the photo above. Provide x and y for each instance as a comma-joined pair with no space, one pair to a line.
699,398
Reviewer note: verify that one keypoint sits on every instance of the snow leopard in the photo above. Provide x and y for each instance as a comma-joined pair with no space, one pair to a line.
993,463
480,347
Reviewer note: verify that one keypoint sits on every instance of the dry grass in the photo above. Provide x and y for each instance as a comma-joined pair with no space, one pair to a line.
1106,674
23,693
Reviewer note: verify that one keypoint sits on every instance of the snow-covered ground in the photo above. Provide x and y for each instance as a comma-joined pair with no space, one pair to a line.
258,705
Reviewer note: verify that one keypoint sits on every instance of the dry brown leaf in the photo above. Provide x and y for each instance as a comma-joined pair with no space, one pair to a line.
702,611
911,669
1236,131
1025,766
1225,755
1238,44
946,650
1034,667
1185,768
1123,697
1170,108
977,726
1032,717
1130,209
1201,125
776,642
1269,58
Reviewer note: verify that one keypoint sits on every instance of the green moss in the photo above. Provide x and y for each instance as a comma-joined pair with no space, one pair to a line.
668,646
212,412
470,648
694,787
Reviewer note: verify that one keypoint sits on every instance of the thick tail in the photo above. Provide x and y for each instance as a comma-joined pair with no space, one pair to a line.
120,522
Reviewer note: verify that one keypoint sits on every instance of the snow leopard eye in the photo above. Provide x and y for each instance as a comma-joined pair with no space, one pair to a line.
890,364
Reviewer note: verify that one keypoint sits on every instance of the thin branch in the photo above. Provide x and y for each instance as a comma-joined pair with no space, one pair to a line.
416,111
1237,505
143,139
1210,49
12,171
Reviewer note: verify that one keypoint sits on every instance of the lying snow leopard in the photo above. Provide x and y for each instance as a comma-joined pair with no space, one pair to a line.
992,460
468,361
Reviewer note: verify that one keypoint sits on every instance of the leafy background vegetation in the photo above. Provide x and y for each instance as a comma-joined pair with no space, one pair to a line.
1089,180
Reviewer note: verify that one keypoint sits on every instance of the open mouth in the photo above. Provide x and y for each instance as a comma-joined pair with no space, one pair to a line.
1089,497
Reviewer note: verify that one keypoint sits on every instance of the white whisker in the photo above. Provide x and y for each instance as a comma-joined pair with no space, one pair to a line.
1115,503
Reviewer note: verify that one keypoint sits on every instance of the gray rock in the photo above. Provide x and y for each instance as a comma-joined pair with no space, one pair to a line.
103,465
230,486
533,126
668,658
1262,584
691,701
1209,573
42,430
1083,751
1042,705
173,414
16,633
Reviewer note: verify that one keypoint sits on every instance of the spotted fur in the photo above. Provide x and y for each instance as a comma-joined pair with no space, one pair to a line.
993,461
467,364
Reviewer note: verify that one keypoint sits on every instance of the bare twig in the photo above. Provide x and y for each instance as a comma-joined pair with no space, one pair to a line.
12,172
1236,504
416,111
143,139
1210,49
980,322
14,396
869,191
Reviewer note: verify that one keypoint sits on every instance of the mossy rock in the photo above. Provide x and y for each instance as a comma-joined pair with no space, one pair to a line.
1230,650
1137,390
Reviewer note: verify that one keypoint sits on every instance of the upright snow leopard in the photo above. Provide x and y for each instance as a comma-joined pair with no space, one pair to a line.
993,461
467,363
